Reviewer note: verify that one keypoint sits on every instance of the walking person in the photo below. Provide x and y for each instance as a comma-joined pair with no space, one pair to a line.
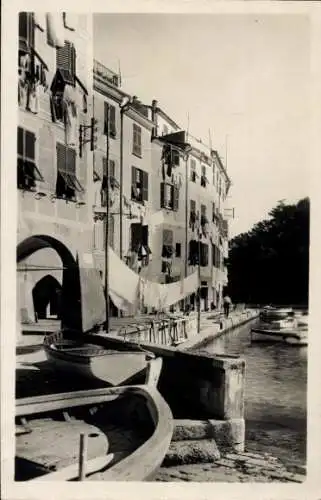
227,304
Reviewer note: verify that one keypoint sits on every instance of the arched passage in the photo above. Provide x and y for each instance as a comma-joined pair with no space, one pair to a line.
46,296
70,307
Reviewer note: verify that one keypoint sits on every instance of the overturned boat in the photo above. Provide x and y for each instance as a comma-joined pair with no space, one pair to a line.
110,434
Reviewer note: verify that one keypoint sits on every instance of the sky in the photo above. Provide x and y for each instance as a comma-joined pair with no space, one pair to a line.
242,79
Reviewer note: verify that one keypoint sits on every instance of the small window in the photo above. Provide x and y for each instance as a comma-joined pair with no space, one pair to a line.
28,173
203,254
139,188
111,125
137,140
169,196
203,177
67,183
167,250
193,170
178,249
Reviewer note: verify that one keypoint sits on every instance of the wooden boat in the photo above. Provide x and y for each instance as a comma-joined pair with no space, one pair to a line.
275,313
291,331
110,434
97,358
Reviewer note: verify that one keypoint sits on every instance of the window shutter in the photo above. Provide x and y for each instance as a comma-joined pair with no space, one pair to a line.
175,157
61,157
106,124
162,195
145,235
71,161
175,198
20,142
193,205
136,236
134,176
30,140
66,61
145,186
112,121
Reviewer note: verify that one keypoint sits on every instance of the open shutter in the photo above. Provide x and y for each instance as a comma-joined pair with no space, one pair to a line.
175,198
136,236
145,235
106,124
61,158
112,121
145,186
162,195
175,157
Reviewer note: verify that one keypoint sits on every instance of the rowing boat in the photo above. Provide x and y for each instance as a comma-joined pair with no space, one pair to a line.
98,358
110,434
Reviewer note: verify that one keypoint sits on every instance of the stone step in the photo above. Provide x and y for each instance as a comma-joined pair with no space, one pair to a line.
191,452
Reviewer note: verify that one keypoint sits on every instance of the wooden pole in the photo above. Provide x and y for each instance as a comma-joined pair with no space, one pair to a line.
107,223
199,281
83,446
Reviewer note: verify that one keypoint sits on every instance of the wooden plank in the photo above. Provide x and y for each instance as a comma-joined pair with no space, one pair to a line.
71,472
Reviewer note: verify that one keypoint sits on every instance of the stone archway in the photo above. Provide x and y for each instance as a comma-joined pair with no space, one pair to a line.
70,293
46,296
82,299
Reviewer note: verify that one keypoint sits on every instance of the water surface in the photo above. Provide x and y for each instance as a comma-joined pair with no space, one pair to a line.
275,393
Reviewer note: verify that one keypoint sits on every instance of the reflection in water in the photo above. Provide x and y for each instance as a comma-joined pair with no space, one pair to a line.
275,393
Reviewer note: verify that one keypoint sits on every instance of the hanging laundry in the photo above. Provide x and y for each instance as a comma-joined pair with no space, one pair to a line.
55,29
40,20
22,93
25,62
71,125
33,97
162,296
122,280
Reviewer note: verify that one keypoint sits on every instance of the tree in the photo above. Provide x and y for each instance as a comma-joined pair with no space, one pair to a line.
270,263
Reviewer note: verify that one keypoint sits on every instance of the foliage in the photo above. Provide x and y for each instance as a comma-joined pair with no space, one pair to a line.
270,263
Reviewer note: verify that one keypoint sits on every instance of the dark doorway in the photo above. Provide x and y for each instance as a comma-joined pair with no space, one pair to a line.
47,292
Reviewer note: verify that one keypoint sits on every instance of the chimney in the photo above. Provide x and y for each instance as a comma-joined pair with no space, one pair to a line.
154,117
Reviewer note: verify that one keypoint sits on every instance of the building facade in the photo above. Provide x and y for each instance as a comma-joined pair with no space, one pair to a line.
54,167
165,188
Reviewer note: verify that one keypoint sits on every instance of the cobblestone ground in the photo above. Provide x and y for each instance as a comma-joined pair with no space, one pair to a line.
232,467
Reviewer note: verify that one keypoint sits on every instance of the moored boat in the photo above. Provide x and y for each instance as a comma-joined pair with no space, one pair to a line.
292,331
269,313
110,434
97,358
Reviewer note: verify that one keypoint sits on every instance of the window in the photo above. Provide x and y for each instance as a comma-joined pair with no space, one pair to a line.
112,179
203,254
203,215
213,212
216,256
193,170
178,249
137,140
139,191
26,31
203,176
169,196
167,250
110,127
66,62
192,215
139,237
67,182
28,174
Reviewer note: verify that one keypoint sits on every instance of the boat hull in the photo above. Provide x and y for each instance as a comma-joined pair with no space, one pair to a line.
97,362
140,406
288,336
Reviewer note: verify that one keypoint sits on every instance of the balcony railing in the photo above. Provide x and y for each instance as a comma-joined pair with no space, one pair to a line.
106,73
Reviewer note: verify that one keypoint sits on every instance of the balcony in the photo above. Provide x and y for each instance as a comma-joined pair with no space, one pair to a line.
106,74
